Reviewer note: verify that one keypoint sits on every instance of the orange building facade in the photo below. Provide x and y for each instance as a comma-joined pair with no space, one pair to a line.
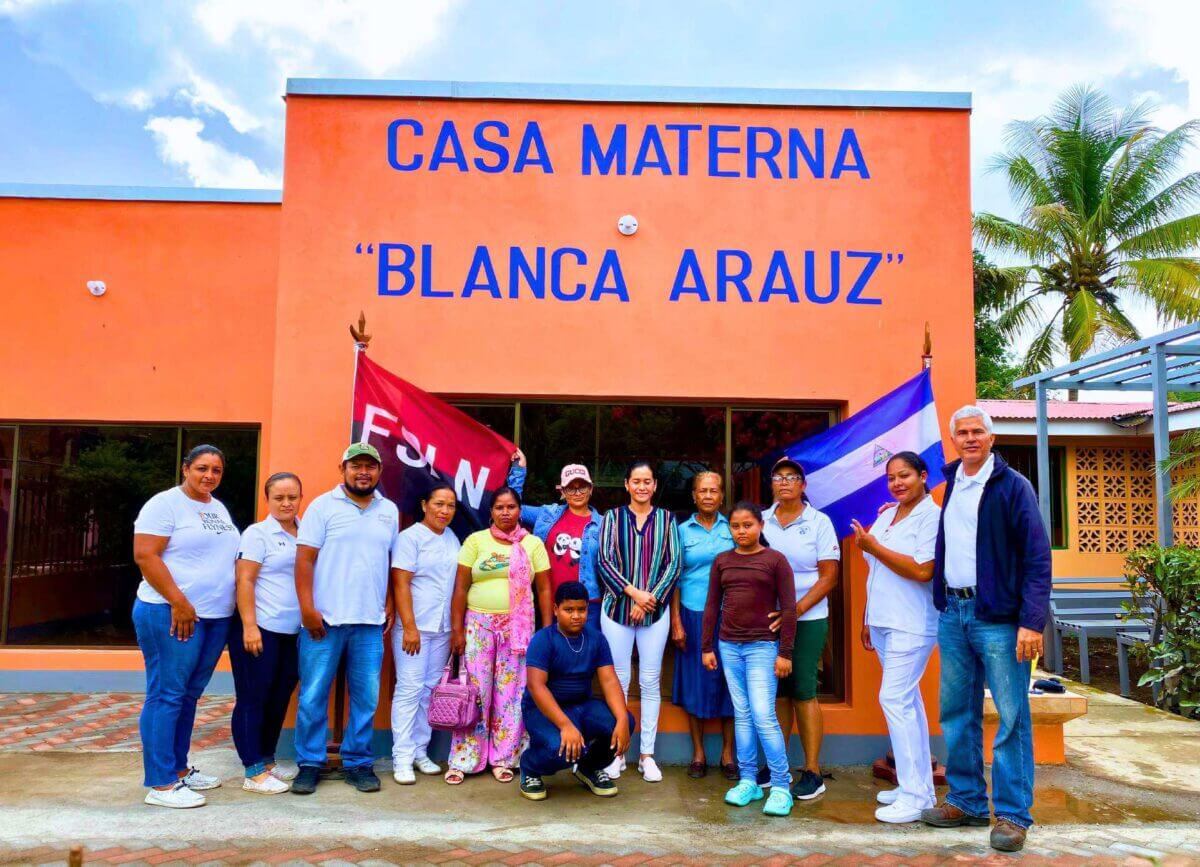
790,247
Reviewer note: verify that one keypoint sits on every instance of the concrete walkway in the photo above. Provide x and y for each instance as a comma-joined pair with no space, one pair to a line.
1133,744
70,784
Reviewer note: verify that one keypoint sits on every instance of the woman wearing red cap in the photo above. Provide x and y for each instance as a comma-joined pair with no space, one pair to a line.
570,530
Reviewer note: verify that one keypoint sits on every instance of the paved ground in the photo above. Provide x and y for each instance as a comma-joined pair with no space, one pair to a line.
67,776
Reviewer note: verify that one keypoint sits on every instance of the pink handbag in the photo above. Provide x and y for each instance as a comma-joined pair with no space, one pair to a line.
454,705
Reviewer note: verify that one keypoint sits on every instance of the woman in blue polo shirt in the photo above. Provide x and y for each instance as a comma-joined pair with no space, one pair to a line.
807,538
262,641
702,693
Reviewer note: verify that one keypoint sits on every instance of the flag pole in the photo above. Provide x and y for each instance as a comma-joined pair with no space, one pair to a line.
333,749
361,341
927,350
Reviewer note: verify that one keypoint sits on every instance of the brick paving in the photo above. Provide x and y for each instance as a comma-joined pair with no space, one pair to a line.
449,855
100,722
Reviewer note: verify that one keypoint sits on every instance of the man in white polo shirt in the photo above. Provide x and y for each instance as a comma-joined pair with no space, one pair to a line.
342,562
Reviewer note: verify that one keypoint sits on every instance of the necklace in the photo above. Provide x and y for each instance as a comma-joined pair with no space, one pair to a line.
582,640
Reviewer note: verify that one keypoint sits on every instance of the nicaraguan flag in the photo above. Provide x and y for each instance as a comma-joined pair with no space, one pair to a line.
846,465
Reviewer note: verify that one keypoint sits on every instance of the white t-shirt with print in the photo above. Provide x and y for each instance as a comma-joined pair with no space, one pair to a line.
202,545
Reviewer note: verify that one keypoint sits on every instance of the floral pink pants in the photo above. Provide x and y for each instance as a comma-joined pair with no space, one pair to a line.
499,674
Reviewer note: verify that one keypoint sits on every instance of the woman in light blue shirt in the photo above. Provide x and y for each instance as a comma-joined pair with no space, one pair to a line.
702,693
262,640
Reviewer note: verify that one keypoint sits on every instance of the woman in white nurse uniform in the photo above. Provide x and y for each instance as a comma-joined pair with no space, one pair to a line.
901,627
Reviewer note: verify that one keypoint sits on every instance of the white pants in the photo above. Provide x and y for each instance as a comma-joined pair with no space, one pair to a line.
903,656
416,676
651,642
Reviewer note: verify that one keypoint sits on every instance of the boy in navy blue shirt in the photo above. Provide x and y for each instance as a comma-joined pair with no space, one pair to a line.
567,725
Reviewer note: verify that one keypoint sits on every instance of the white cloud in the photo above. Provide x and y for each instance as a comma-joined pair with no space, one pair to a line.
207,163
205,95
373,36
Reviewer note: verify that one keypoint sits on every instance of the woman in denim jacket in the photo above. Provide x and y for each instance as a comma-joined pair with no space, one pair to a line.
570,530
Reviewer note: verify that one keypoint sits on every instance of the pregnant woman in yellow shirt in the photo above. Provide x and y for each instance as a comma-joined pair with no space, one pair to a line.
492,616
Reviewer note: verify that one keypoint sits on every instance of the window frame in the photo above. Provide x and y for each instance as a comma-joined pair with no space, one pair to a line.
6,568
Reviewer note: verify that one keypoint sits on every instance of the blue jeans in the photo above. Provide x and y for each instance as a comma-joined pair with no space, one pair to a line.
975,652
750,673
594,721
264,685
362,645
176,674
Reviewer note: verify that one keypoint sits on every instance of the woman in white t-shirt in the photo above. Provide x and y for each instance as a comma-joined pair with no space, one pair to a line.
262,641
424,566
185,543
900,625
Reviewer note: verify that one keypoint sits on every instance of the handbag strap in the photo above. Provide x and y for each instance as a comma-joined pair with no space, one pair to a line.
446,672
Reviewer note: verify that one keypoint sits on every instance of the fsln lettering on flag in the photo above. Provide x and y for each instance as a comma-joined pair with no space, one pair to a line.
424,441
846,466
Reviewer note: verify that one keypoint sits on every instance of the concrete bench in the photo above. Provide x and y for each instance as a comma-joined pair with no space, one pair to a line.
1089,613
1049,712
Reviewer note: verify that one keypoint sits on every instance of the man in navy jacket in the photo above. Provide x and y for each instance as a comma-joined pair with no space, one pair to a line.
991,581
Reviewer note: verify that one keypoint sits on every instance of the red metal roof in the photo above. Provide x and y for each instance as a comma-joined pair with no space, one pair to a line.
1068,409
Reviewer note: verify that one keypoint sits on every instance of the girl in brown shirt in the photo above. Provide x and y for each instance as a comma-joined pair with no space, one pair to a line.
746,586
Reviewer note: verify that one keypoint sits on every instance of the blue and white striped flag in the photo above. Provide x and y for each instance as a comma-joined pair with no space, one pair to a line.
846,466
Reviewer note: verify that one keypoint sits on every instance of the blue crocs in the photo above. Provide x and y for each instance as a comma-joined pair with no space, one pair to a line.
779,802
744,792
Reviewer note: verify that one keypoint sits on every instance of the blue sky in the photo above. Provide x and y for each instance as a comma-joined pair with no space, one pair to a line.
187,92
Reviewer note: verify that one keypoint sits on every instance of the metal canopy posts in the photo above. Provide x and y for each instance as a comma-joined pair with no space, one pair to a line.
1166,362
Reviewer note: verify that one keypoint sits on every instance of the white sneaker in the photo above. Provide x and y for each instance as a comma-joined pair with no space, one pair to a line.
287,774
270,785
614,769
426,765
403,774
178,797
887,796
649,770
198,782
898,814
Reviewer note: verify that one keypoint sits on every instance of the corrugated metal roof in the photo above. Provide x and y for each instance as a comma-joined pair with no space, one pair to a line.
1070,409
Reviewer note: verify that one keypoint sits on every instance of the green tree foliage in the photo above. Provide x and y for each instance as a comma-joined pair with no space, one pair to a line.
1105,219
1169,578
995,366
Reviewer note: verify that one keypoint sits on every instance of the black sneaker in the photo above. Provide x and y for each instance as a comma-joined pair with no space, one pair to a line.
532,787
598,781
362,778
808,786
306,780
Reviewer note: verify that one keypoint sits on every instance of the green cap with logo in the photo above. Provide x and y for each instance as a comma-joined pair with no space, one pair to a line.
358,450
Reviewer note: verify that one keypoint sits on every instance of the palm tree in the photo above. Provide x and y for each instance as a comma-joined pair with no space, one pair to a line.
1105,220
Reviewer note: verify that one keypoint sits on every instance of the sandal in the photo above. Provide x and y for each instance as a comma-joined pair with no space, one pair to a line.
454,777
503,775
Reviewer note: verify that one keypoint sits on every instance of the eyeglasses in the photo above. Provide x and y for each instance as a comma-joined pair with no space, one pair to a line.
788,479
582,489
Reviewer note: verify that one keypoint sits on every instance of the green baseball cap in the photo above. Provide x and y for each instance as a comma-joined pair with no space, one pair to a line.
357,450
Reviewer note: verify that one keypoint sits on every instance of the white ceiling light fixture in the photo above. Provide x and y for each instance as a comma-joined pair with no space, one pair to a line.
627,225
97,287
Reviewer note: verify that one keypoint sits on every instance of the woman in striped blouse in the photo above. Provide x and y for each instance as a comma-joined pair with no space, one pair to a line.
639,563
